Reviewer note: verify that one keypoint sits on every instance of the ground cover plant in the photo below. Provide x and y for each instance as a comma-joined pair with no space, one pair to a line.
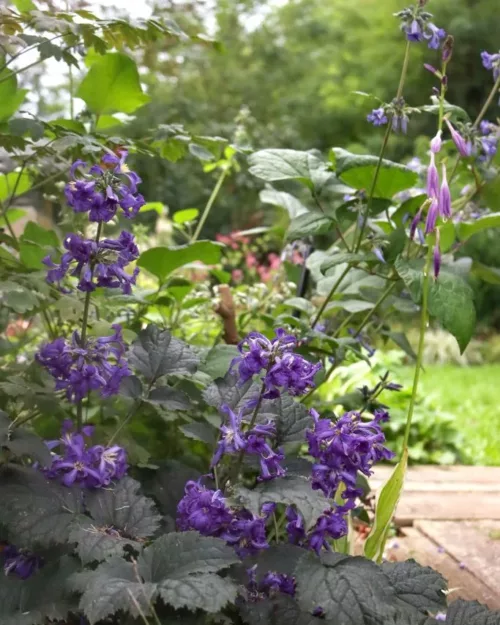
163,465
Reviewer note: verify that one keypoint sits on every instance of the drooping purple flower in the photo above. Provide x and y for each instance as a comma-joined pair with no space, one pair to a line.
246,533
400,122
379,254
416,24
295,526
437,142
96,264
203,510
104,188
96,365
432,215
377,117
491,61
415,222
77,463
444,196
432,178
20,562
414,31
270,585
434,35
330,525
463,146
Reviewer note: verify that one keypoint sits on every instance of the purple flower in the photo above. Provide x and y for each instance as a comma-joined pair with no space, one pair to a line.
20,562
414,223
295,526
283,368
377,117
343,448
104,189
270,585
203,510
231,438
432,215
414,31
97,365
96,264
464,147
432,178
437,257
445,196
246,533
330,525
90,467
417,26
434,35
437,142
440,616
400,122
363,341
491,61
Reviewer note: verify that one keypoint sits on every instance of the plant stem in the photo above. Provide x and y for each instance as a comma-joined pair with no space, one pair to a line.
83,335
210,203
378,303
329,296
420,352
489,100
404,70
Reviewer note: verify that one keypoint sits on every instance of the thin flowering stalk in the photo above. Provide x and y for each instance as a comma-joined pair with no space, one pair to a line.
486,106
83,335
210,203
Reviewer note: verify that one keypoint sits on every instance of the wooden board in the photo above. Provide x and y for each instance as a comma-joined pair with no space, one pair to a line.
433,473
449,506
471,543
462,583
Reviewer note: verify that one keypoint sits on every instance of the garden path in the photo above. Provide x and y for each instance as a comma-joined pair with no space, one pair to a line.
449,518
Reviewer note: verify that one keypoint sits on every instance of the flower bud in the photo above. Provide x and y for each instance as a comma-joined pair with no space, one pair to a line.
432,178
445,196
437,143
437,256
464,147
447,50
432,215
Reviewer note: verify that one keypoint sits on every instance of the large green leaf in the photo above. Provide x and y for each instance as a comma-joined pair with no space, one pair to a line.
112,84
290,203
463,612
161,261
451,299
467,229
11,97
306,167
358,171
13,184
309,224
386,507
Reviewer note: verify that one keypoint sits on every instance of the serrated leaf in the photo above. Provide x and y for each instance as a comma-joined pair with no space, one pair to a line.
36,511
162,261
419,586
358,171
21,442
218,360
200,431
291,490
169,398
291,418
228,390
384,512
131,387
451,299
471,613
309,224
290,203
112,84
157,353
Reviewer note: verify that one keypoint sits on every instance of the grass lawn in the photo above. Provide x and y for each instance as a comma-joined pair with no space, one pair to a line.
472,394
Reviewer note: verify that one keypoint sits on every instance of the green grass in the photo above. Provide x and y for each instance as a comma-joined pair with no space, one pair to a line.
472,395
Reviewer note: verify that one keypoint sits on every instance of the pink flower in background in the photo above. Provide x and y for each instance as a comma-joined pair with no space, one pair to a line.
274,260
237,275
251,260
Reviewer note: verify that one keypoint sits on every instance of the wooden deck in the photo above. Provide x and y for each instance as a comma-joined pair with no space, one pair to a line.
449,518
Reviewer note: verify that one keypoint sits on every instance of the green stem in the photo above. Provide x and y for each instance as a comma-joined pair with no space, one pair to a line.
210,203
420,352
83,335
404,70
329,296
483,111
135,407
378,303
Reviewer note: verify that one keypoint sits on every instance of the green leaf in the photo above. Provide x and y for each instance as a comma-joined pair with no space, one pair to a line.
351,305
17,297
218,360
291,418
463,612
401,341
112,84
106,122
341,258
200,431
455,112
13,184
156,353
386,507
169,398
358,171
485,273
290,490
466,229
21,442
290,203
300,303
36,511
451,299
24,5
228,390
25,126
131,516
162,261
183,216
13,215
309,224
35,233
11,97
159,207
306,167
419,586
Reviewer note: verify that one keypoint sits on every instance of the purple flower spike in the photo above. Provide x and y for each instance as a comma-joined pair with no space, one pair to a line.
445,196
432,215
464,147
377,117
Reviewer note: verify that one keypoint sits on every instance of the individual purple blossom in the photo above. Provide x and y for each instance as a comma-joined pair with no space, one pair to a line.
434,35
104,188
463,146
77,463
432,215
440,616
444,196
246,533
437,142
379,254
20,562
330,525
79,368
436,256
486,127
432,178
377,117
417,27
295,526
95,265
271,584
491,61
400,122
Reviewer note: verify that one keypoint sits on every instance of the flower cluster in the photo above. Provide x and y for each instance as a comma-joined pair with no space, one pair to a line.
343,449
20,562
83,366
90,467
104,188
330,525
254,442
396,111
283,369
270,585
416,24
492,62
96,264
206,511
